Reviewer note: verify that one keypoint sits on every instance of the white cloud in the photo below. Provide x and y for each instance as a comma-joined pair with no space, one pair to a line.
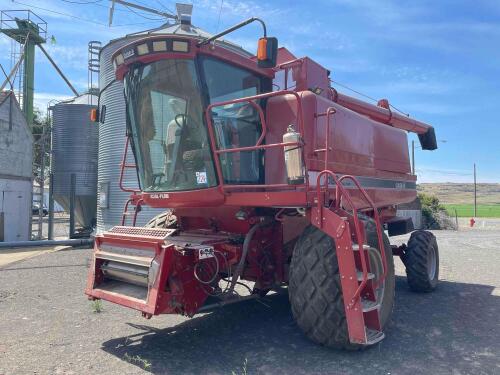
65,56
42,99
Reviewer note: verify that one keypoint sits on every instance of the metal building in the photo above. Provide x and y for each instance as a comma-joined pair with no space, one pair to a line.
74,152
16,158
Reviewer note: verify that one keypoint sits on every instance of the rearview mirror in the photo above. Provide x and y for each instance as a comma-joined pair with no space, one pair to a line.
267,52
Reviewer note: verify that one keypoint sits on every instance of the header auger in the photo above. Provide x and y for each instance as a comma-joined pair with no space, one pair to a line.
268,175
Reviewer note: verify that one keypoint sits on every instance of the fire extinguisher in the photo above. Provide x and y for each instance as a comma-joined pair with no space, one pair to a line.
293,157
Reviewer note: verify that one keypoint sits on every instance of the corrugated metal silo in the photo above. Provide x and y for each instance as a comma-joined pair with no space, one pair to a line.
111,145
74,150
112,132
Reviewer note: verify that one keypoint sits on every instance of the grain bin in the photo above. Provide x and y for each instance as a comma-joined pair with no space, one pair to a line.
111,145
74,151
112,133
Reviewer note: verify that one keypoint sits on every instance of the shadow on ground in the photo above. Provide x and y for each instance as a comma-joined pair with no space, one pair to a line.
451,331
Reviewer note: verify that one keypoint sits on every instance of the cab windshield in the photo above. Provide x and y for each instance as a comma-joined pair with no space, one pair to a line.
170,139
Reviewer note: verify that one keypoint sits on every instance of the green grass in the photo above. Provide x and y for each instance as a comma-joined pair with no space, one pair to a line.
96,306
467,210
137,360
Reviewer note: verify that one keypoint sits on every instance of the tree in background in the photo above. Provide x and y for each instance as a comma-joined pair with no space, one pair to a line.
434,214
41,146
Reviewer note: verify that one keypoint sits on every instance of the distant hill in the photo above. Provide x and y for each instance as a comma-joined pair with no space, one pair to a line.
454,193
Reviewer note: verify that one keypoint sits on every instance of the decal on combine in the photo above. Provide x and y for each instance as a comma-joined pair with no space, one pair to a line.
206,252
159,196
201,178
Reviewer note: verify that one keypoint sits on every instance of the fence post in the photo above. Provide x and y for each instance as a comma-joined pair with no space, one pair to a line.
51,208
72,206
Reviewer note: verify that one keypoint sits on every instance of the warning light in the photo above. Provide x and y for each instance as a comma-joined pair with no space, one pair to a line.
93,115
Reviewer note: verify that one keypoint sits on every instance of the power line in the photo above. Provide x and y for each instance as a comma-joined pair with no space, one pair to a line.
97,3
81,18
82,2
164,7
142,15
220,12
60,13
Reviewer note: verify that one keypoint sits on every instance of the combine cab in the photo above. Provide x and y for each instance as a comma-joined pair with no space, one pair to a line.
268,175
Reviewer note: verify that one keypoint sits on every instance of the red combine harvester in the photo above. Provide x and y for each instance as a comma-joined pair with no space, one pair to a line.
269,175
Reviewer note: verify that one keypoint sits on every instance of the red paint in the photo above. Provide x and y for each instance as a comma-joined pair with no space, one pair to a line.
342,137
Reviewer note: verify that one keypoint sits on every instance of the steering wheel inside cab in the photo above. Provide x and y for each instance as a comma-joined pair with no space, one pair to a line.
181,120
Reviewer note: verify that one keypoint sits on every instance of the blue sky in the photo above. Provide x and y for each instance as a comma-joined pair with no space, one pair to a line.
437,60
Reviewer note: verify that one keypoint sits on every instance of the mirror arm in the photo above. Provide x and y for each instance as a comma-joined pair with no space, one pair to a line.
99,99
231,29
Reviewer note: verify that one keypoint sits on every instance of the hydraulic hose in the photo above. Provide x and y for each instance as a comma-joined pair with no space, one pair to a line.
244,253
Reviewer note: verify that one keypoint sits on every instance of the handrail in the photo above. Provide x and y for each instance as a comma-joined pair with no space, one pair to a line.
330,111
137,208
376,219
357,227
124,165
258,146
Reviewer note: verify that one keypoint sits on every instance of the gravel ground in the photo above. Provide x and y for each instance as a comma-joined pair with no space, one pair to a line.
47,326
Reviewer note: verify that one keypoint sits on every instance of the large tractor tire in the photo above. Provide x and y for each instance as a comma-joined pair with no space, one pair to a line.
164,220
421,259
315,291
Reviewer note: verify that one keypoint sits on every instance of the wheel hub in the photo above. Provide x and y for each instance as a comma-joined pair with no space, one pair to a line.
431,263
377,268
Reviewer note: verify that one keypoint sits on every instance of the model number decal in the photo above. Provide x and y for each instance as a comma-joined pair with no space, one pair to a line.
206,252
159,196
128,53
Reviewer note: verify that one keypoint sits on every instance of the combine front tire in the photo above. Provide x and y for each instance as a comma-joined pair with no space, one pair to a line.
421,259
315,291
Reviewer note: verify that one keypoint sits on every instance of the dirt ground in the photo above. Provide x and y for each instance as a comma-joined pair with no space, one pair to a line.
47,326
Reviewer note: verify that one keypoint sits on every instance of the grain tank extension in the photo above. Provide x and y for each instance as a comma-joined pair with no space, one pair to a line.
267,175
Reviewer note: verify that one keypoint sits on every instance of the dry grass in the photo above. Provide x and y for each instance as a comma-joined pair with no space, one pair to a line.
457,194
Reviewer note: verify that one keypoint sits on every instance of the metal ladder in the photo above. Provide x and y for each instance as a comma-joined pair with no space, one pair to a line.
358,283
134,200
37,220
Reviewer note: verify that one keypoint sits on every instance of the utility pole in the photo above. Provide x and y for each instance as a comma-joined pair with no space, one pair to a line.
475,192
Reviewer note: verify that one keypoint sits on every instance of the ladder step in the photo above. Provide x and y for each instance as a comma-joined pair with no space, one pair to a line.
369,275
373,336
369,305
355,247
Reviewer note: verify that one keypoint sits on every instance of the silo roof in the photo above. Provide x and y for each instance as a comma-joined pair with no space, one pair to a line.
82,99
4,95
184,30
